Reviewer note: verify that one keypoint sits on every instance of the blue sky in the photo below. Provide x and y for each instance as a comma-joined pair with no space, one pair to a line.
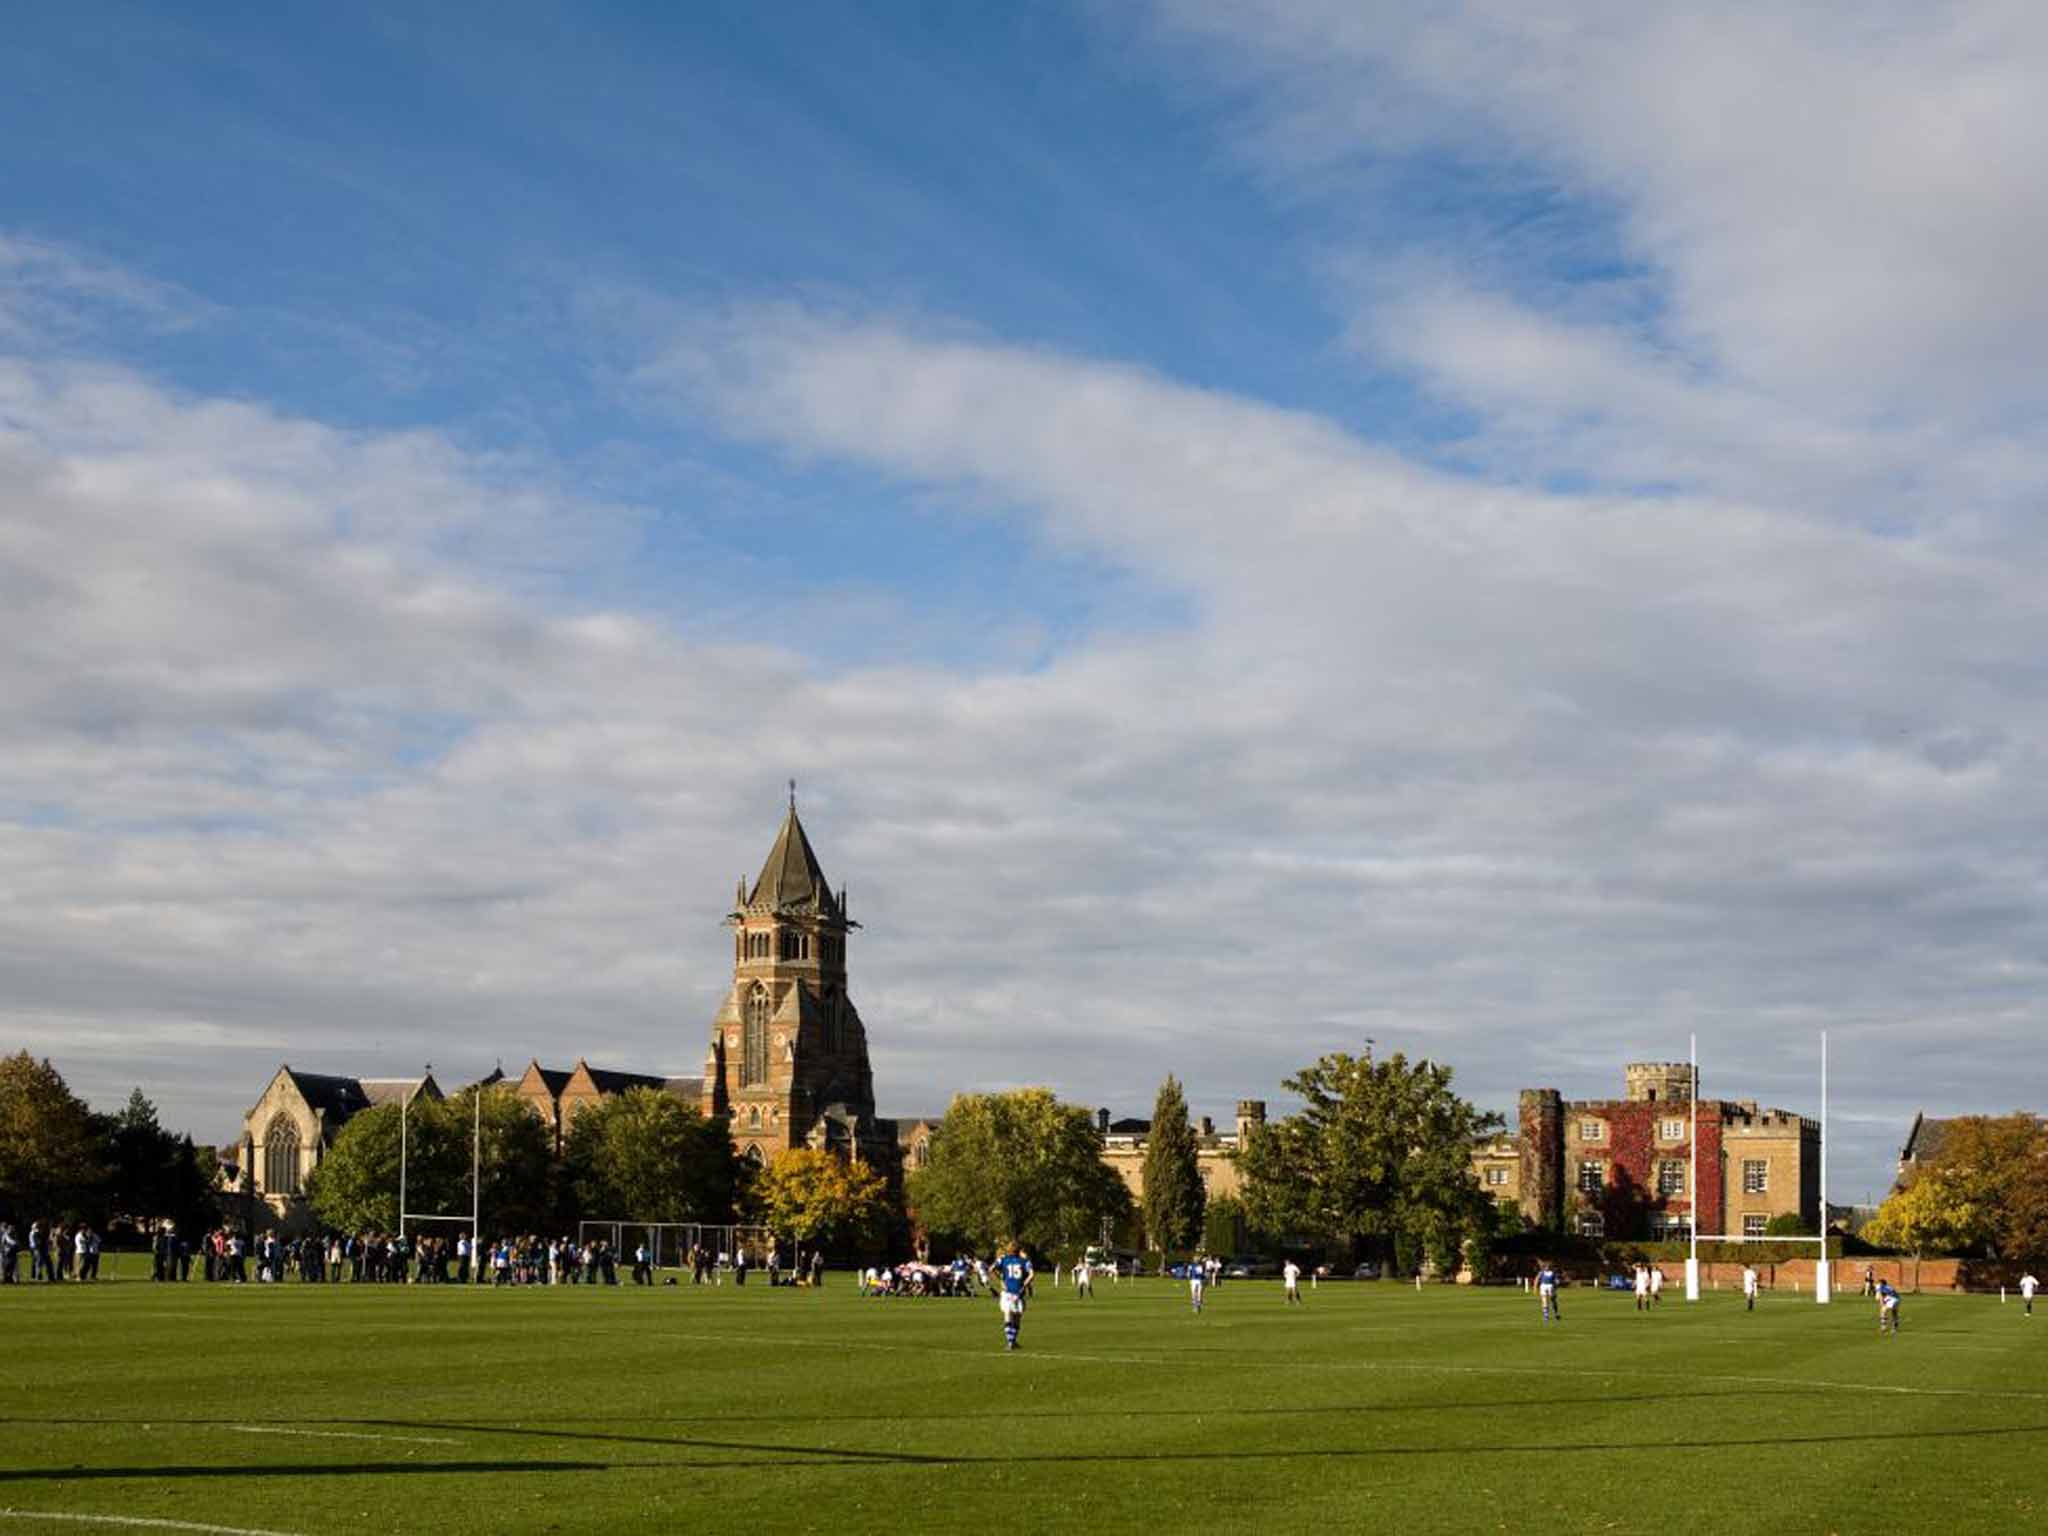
1500,532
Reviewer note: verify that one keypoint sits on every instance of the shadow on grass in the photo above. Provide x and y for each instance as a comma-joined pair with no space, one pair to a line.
526,1424
291,1469
787,1456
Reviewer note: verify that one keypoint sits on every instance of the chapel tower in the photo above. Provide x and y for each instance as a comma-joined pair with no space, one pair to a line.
788,1063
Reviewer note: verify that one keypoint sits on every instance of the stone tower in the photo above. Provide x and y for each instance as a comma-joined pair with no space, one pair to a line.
788,1063
1658,1082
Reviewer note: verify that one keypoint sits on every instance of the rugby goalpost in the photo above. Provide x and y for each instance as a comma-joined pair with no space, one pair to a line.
669,1242
1823,1269
476,1182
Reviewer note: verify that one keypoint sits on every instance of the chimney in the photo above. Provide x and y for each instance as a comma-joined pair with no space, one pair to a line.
1208,1127
1102,1121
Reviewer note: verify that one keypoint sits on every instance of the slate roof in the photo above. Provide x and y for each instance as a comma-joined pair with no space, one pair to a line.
332,1095
398,1090
792,878
556,1078
619,1082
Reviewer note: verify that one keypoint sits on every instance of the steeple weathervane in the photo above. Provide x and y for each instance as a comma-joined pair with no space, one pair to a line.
792,794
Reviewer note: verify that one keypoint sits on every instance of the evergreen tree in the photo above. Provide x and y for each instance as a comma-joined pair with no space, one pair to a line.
1379,1156
157,1175
1173,1197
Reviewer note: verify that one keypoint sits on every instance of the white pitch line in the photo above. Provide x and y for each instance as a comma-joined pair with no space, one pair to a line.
136,1521
335,1434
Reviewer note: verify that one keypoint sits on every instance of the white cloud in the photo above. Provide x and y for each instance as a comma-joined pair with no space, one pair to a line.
304,759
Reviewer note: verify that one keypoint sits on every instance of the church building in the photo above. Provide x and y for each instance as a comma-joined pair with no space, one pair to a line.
788,1058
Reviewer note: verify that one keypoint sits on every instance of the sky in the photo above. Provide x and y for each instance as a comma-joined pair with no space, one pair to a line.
1508,532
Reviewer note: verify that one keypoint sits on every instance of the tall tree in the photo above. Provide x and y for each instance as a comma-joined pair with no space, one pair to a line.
517,1159
1379,1155
1017,1165
53,1151
1173,1194
644,1155
820,1197
157,1175
1985,1192
355,1188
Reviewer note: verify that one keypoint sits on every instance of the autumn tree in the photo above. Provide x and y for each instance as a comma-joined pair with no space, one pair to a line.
644,1155
1172,1200
53,1152
1379,1156
1985,1191
821,1198
1017,1165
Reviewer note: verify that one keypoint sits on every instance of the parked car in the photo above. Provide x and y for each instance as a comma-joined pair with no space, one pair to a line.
1249,1267
1366,1271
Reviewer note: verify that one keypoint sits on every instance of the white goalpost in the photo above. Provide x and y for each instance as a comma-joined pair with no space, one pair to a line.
669,1242
1823,1268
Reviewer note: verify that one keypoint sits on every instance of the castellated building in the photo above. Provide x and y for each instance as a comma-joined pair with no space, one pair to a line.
1623,1168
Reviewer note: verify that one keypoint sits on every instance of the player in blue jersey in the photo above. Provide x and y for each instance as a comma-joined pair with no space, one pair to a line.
1546,1290
1013,1281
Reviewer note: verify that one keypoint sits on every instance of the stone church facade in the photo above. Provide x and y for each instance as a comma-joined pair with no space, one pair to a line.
786,1066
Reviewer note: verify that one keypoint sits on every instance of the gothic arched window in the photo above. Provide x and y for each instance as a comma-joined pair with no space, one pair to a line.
754,1156
281,1158
754,1057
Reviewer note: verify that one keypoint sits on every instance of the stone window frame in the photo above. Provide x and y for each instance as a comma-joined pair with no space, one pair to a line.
1592,1130
1671,1130
1596,1184
1592,1224
1755,1224
283,1150
1670,1176
754,1037
1496,1176
1756,1176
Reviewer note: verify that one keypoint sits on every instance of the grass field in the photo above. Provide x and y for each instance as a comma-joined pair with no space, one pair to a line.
309,1409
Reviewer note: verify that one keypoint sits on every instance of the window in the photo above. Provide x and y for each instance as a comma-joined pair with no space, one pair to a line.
1592,1177
1664,1226
1592,1224
754,1056
1671,1130
920,1154
1671,1178
754,1156
1592,1130
1753,1226
281,1158
1496,1175
1756,1176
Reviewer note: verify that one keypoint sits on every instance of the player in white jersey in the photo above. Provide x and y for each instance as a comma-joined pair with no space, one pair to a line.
2028,1285
1642,1288
1084,1281
1291,1274
1749,1287
1656,1285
